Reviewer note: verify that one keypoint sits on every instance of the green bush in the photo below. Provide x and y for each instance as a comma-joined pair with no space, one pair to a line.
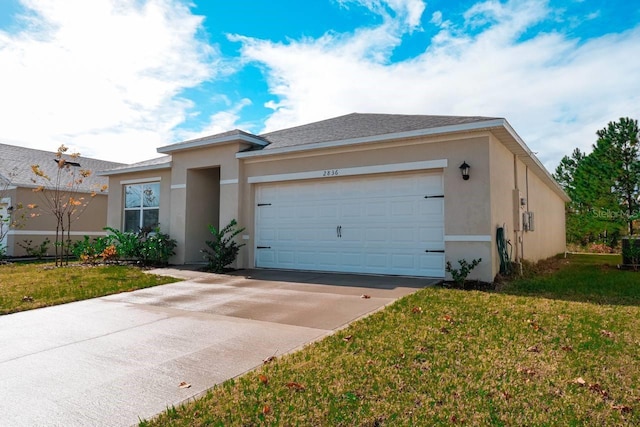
156,248
127,243
37,252
150,248
223,249
460,275
88,250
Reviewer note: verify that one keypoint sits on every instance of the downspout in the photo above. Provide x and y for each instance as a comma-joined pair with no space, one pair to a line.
515,185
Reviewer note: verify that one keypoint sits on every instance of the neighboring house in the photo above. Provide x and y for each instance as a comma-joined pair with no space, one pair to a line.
16,188
361,193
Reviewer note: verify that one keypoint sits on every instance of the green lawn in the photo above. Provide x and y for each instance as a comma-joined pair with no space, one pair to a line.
29,286
558,348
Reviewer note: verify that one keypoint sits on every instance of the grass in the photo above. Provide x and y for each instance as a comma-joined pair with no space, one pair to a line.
29,286
557,347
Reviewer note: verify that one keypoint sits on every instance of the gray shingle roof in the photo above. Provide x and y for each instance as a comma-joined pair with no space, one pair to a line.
16,162
350,126
158,162
358,125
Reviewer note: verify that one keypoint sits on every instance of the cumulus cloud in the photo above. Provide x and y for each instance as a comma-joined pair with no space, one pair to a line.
101,73
404,12
554,89
221,121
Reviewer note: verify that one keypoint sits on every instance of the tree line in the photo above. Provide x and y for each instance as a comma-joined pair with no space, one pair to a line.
603,186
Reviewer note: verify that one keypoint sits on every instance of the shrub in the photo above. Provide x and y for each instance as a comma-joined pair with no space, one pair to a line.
156,248
460,275
223,249
151,248
600,248
37,252
89,251
127,243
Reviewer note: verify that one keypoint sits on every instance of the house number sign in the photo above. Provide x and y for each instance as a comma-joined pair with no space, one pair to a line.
330,172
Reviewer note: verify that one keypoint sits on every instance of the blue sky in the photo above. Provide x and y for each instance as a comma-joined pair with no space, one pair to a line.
115,79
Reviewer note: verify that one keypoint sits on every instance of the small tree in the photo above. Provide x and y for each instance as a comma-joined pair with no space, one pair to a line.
62,198
11,216
223,248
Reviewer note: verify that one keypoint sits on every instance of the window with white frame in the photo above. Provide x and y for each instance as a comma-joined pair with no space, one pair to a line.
141,206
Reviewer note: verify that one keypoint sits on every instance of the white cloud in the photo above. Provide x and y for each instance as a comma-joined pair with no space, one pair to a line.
101,73
221,121
405,12
555,90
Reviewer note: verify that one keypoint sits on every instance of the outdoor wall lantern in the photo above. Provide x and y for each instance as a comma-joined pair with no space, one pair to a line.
464,169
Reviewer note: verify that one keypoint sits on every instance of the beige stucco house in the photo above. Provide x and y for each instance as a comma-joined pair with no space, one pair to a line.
16,188
362,193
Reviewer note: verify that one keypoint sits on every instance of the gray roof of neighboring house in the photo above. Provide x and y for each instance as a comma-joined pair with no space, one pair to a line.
16,162
357,125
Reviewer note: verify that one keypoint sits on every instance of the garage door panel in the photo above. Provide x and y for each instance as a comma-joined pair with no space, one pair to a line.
376,224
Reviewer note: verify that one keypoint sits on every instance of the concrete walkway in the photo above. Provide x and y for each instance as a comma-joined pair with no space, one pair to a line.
114,360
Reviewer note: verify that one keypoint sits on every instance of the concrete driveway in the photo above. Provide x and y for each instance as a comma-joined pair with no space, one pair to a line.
114,360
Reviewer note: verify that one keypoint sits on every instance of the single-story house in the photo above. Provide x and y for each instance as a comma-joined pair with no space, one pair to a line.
360,193
16,189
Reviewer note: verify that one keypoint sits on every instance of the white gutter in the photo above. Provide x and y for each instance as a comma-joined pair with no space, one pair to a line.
135,169
203,142
530,155
375,138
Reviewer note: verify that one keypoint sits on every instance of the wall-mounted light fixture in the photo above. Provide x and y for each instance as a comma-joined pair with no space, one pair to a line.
464,169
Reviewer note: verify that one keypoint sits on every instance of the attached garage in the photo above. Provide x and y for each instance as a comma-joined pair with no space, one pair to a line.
360,193
382,224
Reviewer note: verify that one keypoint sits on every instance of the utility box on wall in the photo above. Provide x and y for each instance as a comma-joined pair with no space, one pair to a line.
519,211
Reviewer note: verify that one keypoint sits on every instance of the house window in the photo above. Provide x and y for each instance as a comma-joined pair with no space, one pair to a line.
141,206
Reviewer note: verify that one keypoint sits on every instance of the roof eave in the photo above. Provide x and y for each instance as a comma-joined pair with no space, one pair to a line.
531,160
135,169
205,142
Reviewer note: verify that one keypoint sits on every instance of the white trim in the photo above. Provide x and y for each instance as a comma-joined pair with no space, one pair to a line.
140,180
178,186
467,238
131,169
339,172
228,181
53,233
11,187
210,140
467,127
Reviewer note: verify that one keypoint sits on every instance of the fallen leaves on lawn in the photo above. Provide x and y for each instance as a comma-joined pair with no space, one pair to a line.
444,330
527,371
598,389
263,379
270,358
27,298
347,338
567,348
533,349
579,381
533,324
266,410
295,386
622,408
606,333
416,310
184,384
448,318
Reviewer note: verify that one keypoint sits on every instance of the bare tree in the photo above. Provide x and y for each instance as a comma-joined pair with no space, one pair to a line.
11,215
62,197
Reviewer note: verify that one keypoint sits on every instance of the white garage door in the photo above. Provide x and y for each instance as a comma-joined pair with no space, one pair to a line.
381,224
